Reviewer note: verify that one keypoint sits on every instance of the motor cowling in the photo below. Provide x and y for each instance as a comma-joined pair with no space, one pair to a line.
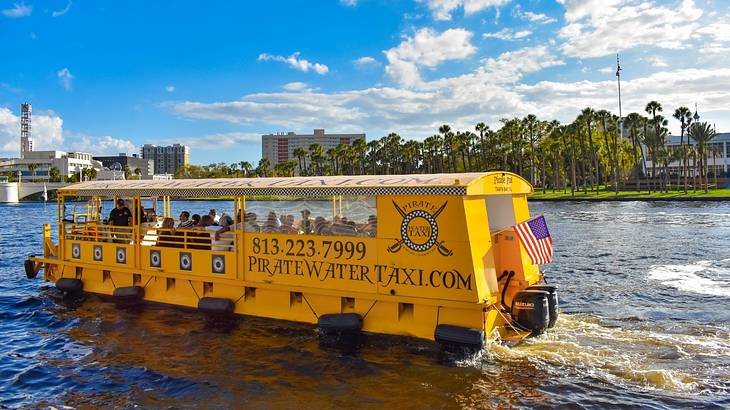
531,310
552,301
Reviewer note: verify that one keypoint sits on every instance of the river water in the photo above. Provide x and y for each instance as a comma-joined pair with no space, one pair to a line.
645,299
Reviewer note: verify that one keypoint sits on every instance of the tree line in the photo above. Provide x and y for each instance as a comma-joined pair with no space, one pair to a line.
588,154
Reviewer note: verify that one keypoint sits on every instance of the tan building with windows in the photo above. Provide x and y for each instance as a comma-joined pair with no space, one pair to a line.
280,147
167,160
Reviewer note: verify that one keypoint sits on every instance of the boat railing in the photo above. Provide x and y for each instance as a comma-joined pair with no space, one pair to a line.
151,236
188,238
94,232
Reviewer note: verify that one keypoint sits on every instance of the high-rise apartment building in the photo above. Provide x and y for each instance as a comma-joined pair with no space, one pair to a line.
280,147
169,159
26,137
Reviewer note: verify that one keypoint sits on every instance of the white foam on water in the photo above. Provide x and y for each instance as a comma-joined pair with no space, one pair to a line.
621,356
715,278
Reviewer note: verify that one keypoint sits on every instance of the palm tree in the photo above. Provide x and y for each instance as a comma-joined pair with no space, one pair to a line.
359,150
634,124
54,175
684,115
138,172
588,114
301,155
32,168
263,169
702,133
316,155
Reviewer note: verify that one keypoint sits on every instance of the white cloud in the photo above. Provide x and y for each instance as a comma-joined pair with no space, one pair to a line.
295,86
47,131
366,61
511,65
716,37
600,27
170,88
539,18
18,10
461,101
607,70
442,9
65,78
216,141
656,61
486,94
63,11
349,3
295,62
105,145
426,48
507,34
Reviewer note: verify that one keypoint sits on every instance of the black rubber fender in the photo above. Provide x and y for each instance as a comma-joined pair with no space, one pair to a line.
30,271
457,335
70,285
129,293
216,305
340,322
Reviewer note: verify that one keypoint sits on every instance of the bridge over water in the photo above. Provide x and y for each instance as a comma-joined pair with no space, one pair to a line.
12,192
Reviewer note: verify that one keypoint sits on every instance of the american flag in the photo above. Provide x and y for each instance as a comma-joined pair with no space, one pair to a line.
536,239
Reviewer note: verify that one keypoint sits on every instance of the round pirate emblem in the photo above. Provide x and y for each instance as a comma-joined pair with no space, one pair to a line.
76,251
419,230
97,253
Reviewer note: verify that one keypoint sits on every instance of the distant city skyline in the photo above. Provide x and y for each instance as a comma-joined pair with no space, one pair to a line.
217,78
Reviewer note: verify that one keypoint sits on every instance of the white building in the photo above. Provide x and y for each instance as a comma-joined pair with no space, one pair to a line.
280,147
67,163
718,154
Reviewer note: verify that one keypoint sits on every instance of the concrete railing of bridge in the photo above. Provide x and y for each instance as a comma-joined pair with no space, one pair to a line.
12,192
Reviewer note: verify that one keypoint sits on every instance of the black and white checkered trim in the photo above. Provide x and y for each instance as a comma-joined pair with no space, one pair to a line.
288,191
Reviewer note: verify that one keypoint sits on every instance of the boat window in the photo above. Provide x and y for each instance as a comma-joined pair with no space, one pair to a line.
336,216
501,212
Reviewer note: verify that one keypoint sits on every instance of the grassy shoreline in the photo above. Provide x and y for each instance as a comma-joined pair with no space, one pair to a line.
603,195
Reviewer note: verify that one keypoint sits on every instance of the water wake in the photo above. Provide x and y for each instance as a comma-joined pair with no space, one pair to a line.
582,346
704,277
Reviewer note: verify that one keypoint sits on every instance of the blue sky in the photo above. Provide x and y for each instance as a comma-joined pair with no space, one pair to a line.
107,76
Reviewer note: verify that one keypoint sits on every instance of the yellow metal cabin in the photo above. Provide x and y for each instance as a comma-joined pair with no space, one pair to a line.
430,256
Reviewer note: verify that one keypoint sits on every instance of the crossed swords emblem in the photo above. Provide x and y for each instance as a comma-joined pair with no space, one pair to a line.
433,240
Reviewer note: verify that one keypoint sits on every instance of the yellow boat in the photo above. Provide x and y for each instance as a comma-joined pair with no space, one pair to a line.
430,256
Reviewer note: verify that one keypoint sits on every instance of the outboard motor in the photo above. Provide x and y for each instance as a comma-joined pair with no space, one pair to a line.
530,309
552,301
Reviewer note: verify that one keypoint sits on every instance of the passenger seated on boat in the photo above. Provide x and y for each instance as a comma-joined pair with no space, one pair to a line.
200,240
249,223
341,227
222,241
321,226
287,224
305,226
167,235
196,219
272,223
214,214
185,221
371,228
